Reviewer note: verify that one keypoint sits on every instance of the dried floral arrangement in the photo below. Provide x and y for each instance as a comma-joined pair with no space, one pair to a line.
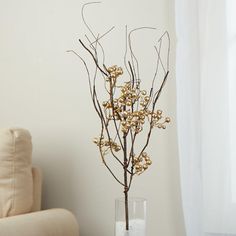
129,110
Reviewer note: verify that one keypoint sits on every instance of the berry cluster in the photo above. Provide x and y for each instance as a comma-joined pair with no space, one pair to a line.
131,109
114,73
141,163
107,143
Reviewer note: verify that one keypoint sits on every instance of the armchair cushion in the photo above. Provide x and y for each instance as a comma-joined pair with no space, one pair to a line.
16,182
53,222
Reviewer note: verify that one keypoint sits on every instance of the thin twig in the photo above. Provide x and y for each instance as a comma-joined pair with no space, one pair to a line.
107,32
93,58
86,67
132,53
126,48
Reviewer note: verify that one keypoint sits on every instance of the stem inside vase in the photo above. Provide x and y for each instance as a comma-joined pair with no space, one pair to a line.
136,217
126,211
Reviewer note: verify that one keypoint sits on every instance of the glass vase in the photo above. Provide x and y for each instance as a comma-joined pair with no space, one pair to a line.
137,217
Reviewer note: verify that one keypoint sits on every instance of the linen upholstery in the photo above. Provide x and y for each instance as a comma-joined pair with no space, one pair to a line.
16,182
37,189
16,176
53,222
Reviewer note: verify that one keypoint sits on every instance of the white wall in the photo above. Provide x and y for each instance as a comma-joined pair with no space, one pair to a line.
45,90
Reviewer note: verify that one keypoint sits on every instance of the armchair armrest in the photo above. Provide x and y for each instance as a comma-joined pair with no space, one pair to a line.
53,222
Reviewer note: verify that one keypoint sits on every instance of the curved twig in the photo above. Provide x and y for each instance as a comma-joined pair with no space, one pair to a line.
103,72
86,67
132,53
126,48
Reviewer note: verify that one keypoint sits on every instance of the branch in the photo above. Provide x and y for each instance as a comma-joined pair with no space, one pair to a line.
86,67
132,53
154,104
103,72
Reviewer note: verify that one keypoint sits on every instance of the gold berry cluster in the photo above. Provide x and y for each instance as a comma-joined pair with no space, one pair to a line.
114,73
155,119
102,143
141,163
129,105
122,108
128,95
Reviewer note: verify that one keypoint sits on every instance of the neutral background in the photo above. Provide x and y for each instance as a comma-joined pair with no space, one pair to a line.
44,89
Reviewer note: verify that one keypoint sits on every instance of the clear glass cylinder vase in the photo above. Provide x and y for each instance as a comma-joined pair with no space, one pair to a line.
137,217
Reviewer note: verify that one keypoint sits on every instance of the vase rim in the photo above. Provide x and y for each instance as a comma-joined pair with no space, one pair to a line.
138,199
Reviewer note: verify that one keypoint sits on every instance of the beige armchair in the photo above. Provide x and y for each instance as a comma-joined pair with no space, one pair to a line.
20,193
